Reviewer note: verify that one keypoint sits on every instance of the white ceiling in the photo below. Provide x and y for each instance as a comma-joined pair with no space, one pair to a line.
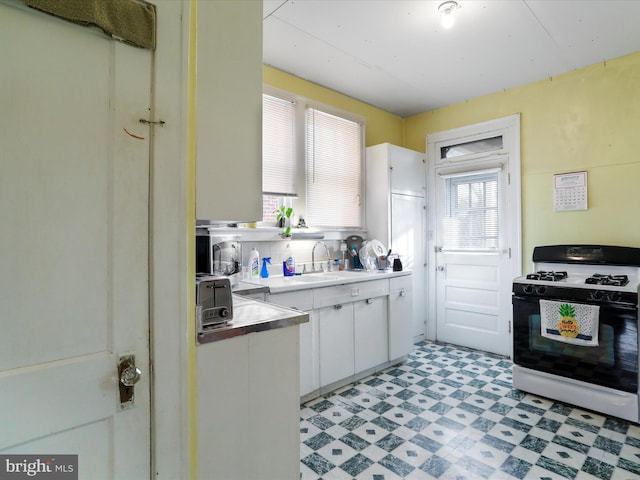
395,55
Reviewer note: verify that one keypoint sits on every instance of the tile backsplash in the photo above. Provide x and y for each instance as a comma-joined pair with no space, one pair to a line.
300,249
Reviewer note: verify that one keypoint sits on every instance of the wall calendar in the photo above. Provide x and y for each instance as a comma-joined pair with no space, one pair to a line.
570,191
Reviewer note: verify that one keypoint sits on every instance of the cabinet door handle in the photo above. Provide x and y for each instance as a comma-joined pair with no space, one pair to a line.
369,301
338,307
402,293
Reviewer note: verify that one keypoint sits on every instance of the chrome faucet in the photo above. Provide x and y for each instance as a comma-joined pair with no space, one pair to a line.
313,257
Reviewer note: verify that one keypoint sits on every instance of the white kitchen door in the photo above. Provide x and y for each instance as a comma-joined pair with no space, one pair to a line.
74,173
474,233
472,262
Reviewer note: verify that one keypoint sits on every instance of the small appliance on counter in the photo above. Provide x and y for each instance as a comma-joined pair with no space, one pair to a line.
218,255
397,264
214,303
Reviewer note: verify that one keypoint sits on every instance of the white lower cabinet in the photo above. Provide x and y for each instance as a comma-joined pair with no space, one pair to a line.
309,355
248,401
400,317
336,343
353,338
274,409
371,338
309,351
353,328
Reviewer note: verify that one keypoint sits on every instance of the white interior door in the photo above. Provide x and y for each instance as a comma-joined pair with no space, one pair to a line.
74,238
472,261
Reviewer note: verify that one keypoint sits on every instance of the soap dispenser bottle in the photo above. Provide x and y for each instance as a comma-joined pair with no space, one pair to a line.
288,264
254,263
264,273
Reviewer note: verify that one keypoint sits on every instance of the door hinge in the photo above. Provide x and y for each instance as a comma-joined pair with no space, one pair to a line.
509,252
508,179
509,326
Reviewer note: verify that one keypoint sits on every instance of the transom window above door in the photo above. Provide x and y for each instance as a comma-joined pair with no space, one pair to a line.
483,145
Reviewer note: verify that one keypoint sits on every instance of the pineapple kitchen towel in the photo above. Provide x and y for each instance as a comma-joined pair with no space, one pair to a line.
574,323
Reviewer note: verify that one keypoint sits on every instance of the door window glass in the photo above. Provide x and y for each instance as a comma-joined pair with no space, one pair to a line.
472,217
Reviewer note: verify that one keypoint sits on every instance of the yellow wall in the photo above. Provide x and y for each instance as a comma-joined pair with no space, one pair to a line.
381,126
588,119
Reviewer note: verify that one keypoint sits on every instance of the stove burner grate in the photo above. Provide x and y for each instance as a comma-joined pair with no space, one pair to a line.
601,279
547,276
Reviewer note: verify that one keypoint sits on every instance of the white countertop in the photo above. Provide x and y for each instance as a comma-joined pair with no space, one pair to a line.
280,284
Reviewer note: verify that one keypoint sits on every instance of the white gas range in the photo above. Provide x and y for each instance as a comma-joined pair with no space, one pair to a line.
575,336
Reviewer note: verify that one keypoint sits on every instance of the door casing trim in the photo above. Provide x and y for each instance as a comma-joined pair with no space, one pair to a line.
509,128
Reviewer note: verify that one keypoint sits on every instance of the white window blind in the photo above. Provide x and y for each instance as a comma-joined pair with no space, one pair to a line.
472,215
278,147
333,170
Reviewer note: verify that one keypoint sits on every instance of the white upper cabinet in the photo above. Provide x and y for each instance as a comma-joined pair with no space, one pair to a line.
391,170
407,171
229,111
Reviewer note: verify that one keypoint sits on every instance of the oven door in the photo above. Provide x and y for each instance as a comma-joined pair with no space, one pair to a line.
612,363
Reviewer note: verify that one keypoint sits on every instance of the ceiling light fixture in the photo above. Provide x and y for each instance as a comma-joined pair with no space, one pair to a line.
446,9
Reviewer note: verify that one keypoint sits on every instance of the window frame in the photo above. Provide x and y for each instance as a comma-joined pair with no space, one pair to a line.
299,203
454,210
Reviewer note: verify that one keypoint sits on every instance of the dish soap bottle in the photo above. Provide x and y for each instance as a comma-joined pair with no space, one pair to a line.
254,263
288,264
265,271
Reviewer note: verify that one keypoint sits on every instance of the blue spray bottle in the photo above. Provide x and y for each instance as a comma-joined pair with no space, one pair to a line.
264,273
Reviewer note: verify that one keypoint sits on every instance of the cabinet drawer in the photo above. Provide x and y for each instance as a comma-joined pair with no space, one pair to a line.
300,300
401,283
323,297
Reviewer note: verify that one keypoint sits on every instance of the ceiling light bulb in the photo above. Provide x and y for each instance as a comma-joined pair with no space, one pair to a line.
446,10
448,20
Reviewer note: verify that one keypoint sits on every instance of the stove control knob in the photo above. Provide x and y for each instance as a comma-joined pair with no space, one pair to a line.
597,295
527,289
613,296
541,290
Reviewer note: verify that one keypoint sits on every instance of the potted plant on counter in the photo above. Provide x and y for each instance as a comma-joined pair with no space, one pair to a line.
283,217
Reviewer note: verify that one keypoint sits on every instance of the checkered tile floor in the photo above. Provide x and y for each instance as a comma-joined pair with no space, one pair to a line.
452,413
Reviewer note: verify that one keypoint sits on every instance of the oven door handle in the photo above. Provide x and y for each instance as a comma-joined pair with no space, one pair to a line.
627,307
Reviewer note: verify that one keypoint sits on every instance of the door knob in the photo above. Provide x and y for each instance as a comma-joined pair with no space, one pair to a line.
130,375
441,268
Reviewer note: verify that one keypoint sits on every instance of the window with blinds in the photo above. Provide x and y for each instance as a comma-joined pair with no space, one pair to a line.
471,220
334,159
278,147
